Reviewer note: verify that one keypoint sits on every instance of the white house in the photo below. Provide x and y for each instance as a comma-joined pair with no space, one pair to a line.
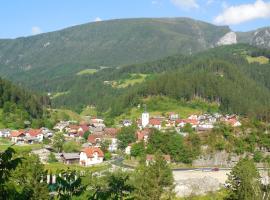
91,156
128,149
114,144
5,133
34,135
17,136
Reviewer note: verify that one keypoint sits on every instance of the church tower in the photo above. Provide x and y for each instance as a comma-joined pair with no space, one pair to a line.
145,118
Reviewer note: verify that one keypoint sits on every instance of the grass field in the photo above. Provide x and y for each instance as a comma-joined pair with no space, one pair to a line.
163,105
21,148
134,79
55,167
219,195
59,94
260,59
64,114
87,71
89,111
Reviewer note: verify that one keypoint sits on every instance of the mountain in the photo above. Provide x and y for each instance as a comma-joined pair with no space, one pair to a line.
39,60
107,43
260,37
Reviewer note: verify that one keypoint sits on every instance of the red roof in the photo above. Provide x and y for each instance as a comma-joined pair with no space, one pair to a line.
92,138
17,133
188,121
91,150
141,134
232,121
84,128
154,122
34,132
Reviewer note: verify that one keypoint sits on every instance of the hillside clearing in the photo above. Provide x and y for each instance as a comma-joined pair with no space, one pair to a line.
260,59
87,71
132,80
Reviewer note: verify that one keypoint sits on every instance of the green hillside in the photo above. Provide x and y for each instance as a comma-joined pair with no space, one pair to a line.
221,75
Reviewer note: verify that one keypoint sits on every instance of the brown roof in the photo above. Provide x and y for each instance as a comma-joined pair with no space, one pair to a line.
111,131
91,150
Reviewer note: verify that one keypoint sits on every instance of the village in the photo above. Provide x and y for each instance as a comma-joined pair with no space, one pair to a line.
91,135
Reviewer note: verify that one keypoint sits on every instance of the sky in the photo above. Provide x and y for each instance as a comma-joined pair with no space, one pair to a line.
30,17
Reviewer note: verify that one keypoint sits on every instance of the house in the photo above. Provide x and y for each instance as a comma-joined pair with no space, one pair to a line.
47,133
182,122
34,135
151,158
143,135
17,136
128,149
173,116
96,121
61,126
5,133
91,156
155,123
82,129
170,124
127,123
204,127
72,130
233,122
96,127
70,158
95,139
110,134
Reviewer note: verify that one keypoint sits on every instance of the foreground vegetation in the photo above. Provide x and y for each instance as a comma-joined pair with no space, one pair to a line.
22,177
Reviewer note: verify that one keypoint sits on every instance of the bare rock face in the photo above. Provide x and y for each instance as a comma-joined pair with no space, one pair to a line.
262,38
228,38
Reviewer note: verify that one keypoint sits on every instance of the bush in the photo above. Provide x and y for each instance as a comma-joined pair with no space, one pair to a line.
257,157
52,158
71,146
107,156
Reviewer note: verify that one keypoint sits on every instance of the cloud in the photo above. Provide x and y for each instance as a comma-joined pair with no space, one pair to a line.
36,30
185,4
98,19
243,13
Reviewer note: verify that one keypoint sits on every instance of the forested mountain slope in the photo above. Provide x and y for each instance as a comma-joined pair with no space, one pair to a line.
223,75
18,105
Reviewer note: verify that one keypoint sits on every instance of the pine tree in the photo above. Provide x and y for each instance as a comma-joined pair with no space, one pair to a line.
244,181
